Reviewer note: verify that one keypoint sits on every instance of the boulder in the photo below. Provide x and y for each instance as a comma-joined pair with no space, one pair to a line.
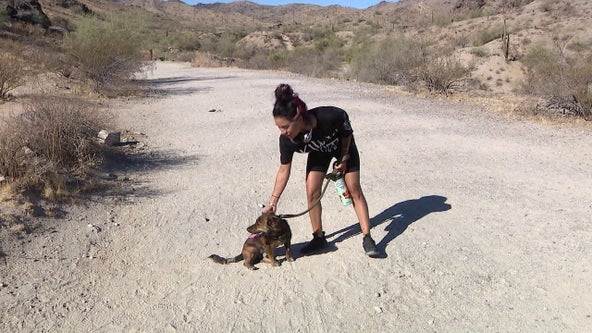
74,4
28,11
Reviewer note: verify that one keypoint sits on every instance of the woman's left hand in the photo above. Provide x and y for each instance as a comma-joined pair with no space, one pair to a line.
341,166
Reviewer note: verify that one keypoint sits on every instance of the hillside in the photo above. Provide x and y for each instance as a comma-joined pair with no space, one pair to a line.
325,41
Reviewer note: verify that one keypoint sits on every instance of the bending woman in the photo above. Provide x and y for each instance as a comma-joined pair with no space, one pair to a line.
324,133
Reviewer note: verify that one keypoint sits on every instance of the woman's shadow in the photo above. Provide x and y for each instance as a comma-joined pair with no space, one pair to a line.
401,215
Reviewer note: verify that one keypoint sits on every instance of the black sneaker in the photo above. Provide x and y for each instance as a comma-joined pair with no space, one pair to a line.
317,243
370,247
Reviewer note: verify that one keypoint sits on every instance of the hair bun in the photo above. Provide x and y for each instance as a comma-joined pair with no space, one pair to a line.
284,93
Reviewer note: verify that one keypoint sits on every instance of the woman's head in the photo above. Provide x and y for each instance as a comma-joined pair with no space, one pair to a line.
289,111
287,103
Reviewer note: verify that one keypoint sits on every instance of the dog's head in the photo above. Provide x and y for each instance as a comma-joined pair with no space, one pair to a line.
267,222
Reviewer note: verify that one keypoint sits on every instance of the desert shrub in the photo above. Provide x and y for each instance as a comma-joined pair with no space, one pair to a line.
183,41
485,36
408,62
279,59
545,74
51,138
314,62
108,53
11,73
578,46
479,52
223,44
391,61
326,39
511,4
63,22
226,44
3,16
443,20
548,5
258,61
553,73
442,73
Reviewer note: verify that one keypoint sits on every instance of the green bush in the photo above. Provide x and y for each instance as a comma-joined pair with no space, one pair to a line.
222,44
485,36
391,61
183,41
108,53
279,59
543,71
315,62
479,52
3,15
552,73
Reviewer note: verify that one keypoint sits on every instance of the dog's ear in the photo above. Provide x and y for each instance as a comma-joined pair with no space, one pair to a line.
271,220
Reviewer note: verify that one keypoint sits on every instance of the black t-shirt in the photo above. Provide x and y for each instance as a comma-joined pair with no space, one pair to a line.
332,124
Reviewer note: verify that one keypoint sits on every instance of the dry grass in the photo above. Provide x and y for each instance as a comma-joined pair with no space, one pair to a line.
52,145
11,74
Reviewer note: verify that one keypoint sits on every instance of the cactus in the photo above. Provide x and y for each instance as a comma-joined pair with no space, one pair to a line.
506,41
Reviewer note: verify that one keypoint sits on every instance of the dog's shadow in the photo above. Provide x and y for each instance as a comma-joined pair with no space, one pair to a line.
400,215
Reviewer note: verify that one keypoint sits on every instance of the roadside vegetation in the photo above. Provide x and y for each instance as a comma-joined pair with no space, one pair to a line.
51,148
107,52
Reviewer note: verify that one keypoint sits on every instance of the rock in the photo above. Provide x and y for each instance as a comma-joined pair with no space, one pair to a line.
75,5
94,228
469,5
28,152
110,138
28,11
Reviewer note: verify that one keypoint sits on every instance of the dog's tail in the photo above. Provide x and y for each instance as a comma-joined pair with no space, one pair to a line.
224,261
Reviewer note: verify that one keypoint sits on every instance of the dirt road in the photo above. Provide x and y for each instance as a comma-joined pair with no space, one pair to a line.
486,222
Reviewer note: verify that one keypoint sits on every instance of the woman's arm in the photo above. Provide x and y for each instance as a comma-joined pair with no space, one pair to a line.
281,180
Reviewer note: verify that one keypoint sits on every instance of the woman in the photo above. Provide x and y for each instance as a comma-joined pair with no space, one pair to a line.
324,133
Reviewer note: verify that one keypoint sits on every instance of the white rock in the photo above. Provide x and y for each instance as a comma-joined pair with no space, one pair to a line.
110,138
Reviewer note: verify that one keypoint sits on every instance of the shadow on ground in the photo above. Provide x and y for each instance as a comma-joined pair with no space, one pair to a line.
163,87
400,216
121,167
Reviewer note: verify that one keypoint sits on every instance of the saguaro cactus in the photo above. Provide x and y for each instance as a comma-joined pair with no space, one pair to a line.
506,41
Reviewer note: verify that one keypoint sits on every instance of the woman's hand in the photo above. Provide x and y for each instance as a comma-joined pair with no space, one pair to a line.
269,208
341,165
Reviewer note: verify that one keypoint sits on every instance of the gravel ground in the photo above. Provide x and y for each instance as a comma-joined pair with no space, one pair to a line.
485,221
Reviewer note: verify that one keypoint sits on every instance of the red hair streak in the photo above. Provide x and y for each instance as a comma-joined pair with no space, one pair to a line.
300,106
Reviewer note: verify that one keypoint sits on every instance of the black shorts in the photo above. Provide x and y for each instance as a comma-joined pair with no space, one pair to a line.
318,161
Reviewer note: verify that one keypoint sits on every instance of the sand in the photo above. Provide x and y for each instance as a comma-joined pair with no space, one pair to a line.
485,221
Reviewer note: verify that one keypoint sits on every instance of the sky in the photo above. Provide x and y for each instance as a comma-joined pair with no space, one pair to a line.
360,4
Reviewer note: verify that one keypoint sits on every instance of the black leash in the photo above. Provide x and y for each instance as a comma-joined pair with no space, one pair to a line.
328,177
